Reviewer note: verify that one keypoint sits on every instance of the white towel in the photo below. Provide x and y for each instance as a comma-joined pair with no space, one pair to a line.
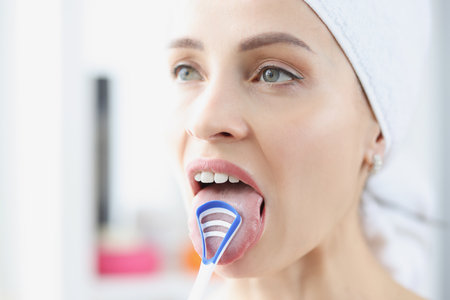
386,42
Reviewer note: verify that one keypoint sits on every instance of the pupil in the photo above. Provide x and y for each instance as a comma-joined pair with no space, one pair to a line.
271,75
186,73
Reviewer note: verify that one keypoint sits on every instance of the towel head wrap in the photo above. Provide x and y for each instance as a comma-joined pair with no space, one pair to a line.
386,43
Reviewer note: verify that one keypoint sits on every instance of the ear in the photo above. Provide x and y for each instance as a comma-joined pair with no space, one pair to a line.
377,145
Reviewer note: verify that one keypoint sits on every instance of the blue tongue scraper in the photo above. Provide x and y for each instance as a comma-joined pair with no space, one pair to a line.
207,266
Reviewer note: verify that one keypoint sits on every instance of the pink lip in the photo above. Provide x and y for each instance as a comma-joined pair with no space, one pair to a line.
217,166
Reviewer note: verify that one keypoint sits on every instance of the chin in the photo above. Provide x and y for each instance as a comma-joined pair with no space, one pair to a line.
248,266
236,270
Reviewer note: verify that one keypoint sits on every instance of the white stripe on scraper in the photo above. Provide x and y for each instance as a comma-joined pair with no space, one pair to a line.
215,210
216,223
214,233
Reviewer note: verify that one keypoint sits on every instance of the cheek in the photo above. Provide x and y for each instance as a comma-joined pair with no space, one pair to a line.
178,114
313,158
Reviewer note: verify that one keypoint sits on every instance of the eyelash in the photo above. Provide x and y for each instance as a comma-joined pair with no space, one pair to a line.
257,77
263,68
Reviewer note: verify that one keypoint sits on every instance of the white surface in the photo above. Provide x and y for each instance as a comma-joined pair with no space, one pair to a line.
78,205
31,141
158,287
9,282
442,62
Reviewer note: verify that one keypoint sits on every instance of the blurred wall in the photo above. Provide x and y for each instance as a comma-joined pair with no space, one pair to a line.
443,58
8,281
30,155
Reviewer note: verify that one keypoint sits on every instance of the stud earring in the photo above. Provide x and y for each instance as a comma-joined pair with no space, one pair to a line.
377,163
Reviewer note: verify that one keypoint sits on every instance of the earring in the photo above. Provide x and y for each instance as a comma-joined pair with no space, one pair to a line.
377,163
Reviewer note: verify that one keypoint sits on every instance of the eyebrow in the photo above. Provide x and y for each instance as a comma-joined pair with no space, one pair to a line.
186,43
257,41
269,38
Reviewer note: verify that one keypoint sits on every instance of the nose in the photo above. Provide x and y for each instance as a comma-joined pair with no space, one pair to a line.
218,114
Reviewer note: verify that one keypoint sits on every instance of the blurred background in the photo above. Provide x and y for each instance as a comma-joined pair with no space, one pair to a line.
88,205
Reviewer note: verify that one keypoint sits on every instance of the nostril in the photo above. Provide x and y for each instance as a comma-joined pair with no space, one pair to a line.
225,134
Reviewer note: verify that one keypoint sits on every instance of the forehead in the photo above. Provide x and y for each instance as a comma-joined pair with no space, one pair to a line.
225,23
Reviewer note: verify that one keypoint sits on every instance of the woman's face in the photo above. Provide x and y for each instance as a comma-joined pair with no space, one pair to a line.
264,85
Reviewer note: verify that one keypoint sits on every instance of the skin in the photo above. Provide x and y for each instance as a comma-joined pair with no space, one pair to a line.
308,143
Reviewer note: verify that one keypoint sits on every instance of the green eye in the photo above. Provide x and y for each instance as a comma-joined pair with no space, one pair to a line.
274,75
186,73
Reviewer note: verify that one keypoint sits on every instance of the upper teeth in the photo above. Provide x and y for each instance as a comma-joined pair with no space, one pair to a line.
210,177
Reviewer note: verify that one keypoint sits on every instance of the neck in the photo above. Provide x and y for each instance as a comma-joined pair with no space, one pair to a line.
341,267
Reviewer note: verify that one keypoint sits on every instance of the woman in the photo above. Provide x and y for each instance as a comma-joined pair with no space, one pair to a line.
266,95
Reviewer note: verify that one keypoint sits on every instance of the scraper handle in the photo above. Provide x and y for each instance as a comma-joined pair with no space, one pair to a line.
201,282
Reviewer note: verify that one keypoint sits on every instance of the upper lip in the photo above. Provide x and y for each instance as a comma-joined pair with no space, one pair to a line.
217,166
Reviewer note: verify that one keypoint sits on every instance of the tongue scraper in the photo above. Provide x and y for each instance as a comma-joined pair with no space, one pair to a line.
207,266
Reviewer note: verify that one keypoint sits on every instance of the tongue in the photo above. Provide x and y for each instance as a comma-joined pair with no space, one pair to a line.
247,202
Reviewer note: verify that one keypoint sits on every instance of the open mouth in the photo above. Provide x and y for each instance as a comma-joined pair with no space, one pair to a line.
208,177
220,180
